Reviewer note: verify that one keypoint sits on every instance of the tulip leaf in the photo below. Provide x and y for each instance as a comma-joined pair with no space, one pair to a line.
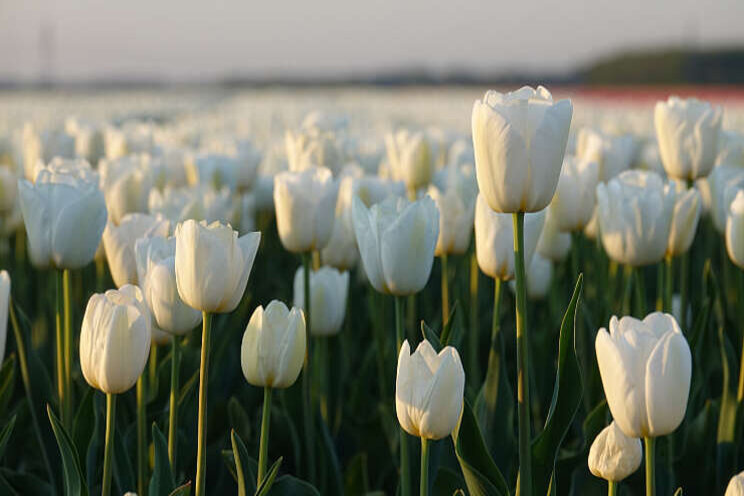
430,335
482,476
446,482
22,482
123,471
268,481
356,476
238,417
7,382
162,482
183,490
288,485
330,455
447,334
726,436
245,471
84,424
74,482
5,434
566,400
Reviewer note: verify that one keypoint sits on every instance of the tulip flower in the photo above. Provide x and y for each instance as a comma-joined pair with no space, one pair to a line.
730,147
214,170
735,230
575,196
687,132
736,485
720,187
328,293
613,154
4,303
341,250
553,244
429,390
114,346
305,203
539,277
687,207
271,356
614,456
126,184
410,159
646,368
313,147
118,242
44,146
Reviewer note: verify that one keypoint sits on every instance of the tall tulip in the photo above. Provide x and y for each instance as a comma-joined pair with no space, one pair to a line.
614,456
328,292
119,241
341,250
126,183
553,244
575,196
410,159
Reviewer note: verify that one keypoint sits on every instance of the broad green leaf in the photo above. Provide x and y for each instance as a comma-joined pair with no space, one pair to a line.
84,424
288,485
162,482
446,483
122,468
240,421
5,434
268,481
74,482
245,471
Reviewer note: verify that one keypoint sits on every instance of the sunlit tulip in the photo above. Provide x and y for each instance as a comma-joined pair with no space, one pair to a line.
456,214
539,277
236,163
410,158
4,304
43,147
305,203
575,197
273,347
687,207
735,230
213,265
494,239
341,250
126,184
328,292
310,148
519,140
613,154
396,241
592,227
736,485
635,217
687,132
429,390
614,456
646,368
553,244
730,148
176,204
212,169
65,215
115,339
118,242
717,188
156,272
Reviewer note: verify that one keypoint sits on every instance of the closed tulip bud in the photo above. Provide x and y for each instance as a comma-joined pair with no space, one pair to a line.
65,215
118,243
156,272
687,131
519,140
213,265
159,336
736,485
115,339
4,304
126,184
429,390
687,207
735,230
273,348
328,292
575,197
409,154
396,240
494,239
214,170
341,250
635,217
553,244
456,215
646,368
613,455
304,203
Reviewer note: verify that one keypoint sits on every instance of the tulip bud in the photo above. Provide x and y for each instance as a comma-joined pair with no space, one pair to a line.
575,196
4,304
687,131
646,368
118,243
115,339
273,347
213,265
735,230
396,241
429,390
613,154
553,244
305,202
736,485
455,220
410,158
613,455
213,170
519,140
687,206
328,291
341,251
126,184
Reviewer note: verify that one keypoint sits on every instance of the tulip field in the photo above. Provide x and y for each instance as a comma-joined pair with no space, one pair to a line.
362,291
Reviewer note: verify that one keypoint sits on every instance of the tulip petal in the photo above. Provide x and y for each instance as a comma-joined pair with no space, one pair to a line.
668,375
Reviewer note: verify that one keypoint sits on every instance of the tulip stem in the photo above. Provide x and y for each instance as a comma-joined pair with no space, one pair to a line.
611,488
668,283
424,485
684,284
108,453
201,450
445,290
639,292
173,410
263,451
22,359
307,417
650,443
321,370
60,350
405,472
141,435
491,384
152,368
68,349
523,380
474,327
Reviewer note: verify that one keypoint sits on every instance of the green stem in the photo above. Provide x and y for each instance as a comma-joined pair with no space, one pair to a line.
173,409
21,348
405,471
68,349
445,290
201,450
611,488
141,435
263,452
639,292
523,362
322,379
668,283
307,417
684,284
108,453
152,375
473,336
424,485
491,385
60,350
650,443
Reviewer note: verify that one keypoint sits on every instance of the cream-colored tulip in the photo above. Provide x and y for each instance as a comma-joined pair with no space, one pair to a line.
613,154
409,154
213,265
4,305
273,347
429,390
736,485
118,243
456,214
328,292
341,250
614,456
576,194
115,339
735,230
687,207
519,140
313,147
720,188
553,244
126,184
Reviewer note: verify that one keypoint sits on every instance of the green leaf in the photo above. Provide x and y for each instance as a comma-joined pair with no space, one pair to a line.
183,490
245,473
7,382
430,335
446,336
23,482
240,421
356,476
268,481
482,476
84,424
726,435
566,400
5,434
74,482
288,485
162,482
329,450
446,482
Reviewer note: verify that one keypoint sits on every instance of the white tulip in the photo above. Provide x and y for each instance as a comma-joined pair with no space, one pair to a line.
519,140
312,147
494,239
456,215
614,456
735,230
341,250
213,265
44,147
539,277
396,240
592,227
126,184
328,292
687,207
213,169
429,390
687,131
273,347
115,339
553,244
646,368
4,305
118,243
410,158
730,148
575,196
715,188
613,154
736,485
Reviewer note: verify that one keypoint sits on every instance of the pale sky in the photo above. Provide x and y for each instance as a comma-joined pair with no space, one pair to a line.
203,39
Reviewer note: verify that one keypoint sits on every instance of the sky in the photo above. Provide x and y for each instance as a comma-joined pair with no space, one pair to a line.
200,40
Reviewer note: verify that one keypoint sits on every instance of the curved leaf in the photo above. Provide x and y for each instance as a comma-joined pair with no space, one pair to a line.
73,479
245,472
162,482
5,434
288,485
268,481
